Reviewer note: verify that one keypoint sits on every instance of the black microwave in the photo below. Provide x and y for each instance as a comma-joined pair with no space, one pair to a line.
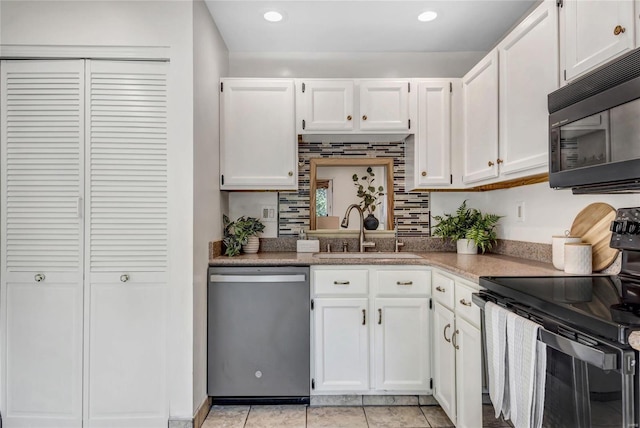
594,130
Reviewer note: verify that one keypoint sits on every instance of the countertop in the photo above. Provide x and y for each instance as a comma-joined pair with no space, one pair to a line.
467,266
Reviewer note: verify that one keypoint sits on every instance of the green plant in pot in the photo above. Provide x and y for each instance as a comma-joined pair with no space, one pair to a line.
469,227
241,234
369,194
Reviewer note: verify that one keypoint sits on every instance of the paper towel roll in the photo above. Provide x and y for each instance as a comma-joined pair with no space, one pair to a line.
557,248
577,258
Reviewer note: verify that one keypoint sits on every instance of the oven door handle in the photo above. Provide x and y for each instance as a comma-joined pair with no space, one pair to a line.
596,356
593,355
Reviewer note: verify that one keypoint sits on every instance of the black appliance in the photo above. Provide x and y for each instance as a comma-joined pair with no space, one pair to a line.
594,130
592,371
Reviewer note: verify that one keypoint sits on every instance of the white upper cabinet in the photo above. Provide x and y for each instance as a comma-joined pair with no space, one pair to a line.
429,155
384,105
343,106
325,105
528,72
258,144
480,113
593,32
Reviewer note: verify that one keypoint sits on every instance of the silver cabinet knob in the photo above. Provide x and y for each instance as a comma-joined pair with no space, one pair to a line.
124,277
440,289
39,277
464,302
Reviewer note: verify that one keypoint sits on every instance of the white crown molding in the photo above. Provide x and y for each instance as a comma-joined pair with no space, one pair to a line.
151,53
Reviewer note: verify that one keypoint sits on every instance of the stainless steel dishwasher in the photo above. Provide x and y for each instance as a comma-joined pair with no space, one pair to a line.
258,335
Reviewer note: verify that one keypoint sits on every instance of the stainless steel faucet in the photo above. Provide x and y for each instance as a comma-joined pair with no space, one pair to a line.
345,223
398,243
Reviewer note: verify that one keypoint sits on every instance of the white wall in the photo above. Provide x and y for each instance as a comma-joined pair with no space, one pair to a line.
352,64
140,23
548,212
250,204
210,62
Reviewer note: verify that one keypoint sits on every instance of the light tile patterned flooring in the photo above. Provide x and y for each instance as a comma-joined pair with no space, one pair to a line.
297,416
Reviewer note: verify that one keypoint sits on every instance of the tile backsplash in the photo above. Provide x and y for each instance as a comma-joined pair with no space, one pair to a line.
410,209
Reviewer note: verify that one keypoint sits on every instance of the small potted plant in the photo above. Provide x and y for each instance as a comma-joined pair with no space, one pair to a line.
369,194
469,228
241,234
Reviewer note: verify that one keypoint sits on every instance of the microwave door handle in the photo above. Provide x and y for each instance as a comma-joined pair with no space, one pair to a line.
596,356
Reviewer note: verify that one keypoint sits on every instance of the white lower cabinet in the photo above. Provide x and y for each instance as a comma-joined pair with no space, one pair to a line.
371,329
401,341
341,344
457,351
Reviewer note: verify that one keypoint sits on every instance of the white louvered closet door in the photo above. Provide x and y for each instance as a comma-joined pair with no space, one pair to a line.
41,292
126,245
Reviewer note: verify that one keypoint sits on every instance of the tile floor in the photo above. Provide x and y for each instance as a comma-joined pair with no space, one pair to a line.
338,417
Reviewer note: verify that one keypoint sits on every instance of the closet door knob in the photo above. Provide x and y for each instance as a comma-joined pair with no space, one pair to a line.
290,173
499,161
490,163
364,117
39,277
619,30
349,117
124,278
424,173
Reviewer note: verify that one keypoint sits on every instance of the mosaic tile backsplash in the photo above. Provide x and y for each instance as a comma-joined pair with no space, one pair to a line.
410,209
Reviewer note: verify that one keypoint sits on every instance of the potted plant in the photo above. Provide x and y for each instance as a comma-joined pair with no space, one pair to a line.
369,194
469,227
241,234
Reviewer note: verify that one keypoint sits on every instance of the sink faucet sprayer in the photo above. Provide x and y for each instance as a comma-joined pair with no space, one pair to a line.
345,223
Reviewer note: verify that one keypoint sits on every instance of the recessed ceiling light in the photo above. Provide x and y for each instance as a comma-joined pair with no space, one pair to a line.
273,16
427,16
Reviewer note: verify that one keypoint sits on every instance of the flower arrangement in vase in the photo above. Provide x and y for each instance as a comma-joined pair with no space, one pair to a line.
369,194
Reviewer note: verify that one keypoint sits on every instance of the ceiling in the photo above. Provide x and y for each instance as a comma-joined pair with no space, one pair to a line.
365,26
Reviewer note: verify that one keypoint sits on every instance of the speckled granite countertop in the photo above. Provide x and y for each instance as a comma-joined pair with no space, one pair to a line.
467,266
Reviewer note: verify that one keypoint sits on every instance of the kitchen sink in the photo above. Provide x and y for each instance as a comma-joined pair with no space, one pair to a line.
367,256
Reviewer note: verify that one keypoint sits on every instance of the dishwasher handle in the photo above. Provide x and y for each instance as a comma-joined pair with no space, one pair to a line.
257,278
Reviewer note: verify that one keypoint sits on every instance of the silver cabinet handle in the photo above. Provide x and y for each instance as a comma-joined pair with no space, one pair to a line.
440,289
464,302
340,282
39,277
124,277
379,316
404,282
453,339
445,332
364,316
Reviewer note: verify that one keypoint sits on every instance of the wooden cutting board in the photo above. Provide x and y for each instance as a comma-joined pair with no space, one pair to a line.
592,225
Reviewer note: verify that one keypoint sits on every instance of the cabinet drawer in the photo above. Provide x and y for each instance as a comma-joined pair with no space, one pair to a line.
341,281
464,307
443,288
404,282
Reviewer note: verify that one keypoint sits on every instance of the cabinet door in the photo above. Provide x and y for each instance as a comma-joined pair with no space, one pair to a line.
326,105
126,245
258,145
384,105
588,33
468,374
528,72
480,123
444,360
42,143
341,341
401,344
433,146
